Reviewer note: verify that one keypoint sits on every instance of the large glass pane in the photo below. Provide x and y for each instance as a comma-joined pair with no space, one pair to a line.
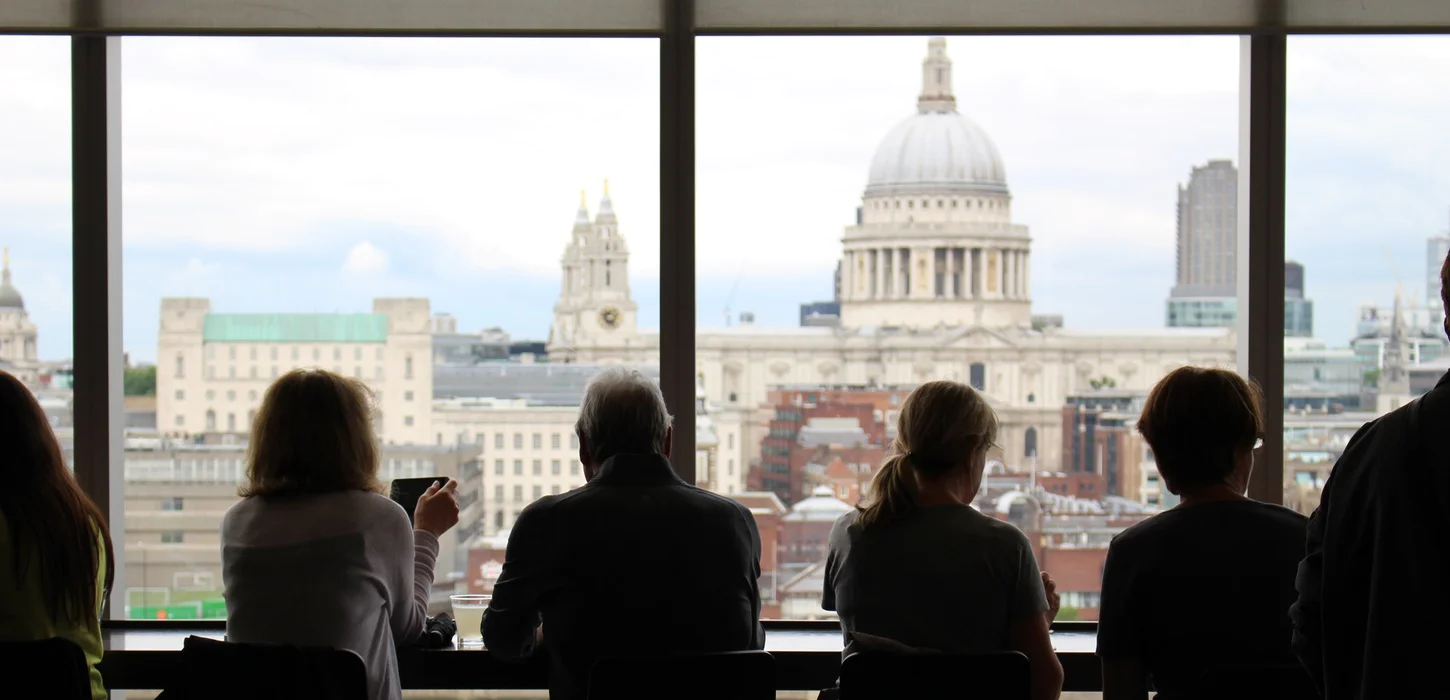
1365,221
1033,216
35,220
392,210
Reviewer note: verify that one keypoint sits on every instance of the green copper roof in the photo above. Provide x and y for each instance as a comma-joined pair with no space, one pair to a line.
295,328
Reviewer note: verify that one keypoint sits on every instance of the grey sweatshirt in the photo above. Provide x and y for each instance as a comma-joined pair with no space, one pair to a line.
343,570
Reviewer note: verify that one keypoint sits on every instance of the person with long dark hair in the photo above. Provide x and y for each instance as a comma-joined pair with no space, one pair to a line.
56,561
918,567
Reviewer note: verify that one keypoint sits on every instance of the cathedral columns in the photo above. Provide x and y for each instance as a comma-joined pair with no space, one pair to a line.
968,275
979,277
879,273
1026,274
1009,274
1021,258
902,270
1013,258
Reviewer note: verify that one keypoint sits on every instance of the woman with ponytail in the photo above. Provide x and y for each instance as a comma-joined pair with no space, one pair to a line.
918,566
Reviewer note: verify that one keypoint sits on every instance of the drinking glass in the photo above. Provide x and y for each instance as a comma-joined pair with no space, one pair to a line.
468,613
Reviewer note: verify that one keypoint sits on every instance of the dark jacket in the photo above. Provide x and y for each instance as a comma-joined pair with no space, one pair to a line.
635,562
1379,558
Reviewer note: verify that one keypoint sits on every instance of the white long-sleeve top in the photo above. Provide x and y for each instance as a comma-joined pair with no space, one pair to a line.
343,570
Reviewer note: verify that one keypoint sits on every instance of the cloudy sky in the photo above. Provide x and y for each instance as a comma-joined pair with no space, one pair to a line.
316,174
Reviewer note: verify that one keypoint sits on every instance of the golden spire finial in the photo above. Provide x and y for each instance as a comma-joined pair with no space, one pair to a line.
581,197
606,187
7,257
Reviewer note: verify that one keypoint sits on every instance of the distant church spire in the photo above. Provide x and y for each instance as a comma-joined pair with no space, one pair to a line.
582,216
606,209
936,79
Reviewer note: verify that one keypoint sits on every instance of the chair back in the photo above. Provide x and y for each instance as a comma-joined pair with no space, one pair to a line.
875,675
50,668
1255,682
235,671
731,675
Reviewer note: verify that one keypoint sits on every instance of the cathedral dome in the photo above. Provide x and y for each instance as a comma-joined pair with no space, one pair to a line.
9,295
937,150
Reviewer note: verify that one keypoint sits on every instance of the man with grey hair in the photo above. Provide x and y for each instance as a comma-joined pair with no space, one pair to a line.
636,561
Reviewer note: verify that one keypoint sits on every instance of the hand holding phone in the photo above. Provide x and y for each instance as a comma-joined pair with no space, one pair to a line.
405,492
437,510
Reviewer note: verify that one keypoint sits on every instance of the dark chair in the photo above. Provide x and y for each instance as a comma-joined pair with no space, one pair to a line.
1256,682
885,676
732,675
52,668
231,671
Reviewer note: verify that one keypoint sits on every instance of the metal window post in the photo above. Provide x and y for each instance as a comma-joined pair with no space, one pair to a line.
1261,246
96,293
677,228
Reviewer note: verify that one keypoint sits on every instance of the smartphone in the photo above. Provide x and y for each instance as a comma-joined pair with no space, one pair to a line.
405,492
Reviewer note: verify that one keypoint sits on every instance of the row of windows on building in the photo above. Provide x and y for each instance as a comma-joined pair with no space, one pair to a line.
231,470
537,491
254,371
254,352
231,395
940,204
536,440
537,467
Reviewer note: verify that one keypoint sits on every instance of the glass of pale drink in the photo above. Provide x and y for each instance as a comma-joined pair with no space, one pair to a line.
468,613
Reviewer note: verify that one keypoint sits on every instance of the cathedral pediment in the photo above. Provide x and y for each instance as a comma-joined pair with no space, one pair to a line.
979,337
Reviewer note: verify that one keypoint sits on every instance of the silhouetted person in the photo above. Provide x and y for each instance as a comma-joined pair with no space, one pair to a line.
314,554
919,567
1377,556
56,562
636,561
1207,583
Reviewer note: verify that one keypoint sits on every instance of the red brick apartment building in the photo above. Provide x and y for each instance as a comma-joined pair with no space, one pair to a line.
818,425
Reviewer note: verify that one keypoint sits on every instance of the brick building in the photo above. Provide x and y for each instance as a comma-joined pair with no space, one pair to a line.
1100,437
813,426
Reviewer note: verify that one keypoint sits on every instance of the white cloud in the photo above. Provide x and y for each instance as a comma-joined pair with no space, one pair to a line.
469,153
365,259
197,271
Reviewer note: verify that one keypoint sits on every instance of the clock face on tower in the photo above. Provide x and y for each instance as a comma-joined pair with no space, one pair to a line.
609,317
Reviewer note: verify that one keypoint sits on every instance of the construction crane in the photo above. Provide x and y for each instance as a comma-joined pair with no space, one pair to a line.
730,298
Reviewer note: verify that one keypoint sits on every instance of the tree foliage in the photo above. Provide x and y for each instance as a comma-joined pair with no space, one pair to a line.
141,381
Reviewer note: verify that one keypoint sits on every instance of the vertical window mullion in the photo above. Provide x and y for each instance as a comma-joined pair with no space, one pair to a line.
1261,237
677,228
96,271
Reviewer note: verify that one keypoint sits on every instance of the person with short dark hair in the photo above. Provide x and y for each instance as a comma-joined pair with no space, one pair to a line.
314,555
56,561
635,561
1376,557
1207,583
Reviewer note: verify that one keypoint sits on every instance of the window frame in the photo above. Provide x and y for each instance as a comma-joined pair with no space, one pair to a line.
96,173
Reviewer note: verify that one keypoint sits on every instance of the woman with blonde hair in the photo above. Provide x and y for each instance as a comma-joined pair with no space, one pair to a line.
56,561
918,567
314,555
